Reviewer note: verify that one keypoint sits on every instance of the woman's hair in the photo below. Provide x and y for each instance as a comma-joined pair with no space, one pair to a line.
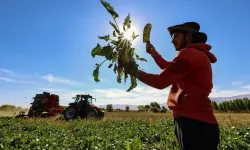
200,37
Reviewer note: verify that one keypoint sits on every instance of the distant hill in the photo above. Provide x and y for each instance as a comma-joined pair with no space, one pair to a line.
216,99
220,99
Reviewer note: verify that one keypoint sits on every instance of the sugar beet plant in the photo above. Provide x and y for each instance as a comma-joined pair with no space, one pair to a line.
118,51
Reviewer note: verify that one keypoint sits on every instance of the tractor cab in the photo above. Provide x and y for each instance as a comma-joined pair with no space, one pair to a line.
84,98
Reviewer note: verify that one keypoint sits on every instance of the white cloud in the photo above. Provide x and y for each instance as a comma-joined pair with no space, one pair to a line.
7,71
237,82
146,94
246,87
33,91
139,96
6,79
243,76
57,79
12,77
227,93
52,90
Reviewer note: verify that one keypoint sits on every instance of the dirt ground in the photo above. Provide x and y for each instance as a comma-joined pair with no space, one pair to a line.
8,113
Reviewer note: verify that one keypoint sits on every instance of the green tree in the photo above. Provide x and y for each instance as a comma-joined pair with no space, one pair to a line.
236,105
215,106
154,109
163,109
141,108
109,107
155,104
246,102
147,107
127,108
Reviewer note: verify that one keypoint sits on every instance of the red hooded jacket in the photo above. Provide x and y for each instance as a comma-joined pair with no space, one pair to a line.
190,75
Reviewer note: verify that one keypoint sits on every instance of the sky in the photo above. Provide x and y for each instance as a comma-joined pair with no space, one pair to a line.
45,46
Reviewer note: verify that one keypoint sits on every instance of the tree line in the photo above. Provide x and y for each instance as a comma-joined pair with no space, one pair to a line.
236,105
153,107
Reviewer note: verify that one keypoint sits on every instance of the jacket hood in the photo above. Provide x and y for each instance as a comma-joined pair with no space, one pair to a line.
205,48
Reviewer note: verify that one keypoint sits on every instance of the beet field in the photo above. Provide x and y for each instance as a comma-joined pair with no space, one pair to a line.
117,131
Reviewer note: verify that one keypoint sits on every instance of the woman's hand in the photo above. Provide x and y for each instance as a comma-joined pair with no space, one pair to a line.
151,50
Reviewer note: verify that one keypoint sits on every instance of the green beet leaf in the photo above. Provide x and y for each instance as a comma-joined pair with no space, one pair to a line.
134,36
110,9
114,34
96,50
96,73
127,23
118,51
105,51
115,27
133,83
106,37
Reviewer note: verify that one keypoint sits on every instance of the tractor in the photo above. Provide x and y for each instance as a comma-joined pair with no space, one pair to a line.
44,105
83,108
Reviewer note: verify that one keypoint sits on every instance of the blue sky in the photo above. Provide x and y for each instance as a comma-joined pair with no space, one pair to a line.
46,46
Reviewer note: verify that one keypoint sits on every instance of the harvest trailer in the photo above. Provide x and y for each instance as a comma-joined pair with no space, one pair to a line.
44,105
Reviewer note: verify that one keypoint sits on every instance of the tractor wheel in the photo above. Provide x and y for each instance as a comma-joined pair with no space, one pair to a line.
92,113
69,113
100,114
31,112
45,114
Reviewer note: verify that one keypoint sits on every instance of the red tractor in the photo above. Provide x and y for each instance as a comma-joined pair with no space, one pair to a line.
44,105
83,108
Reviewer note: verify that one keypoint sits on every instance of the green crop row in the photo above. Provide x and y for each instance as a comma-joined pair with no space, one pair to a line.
103,134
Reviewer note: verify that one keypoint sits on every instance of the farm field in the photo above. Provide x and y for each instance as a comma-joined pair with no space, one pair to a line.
118,130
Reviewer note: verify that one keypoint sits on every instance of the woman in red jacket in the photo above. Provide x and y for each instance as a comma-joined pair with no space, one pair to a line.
190,76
